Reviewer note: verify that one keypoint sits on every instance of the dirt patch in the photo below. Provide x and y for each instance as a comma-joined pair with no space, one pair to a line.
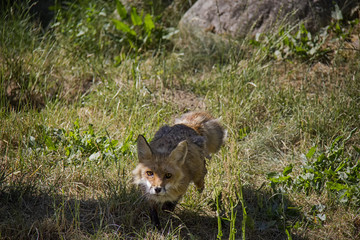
78,87
184,100
22,97
18,97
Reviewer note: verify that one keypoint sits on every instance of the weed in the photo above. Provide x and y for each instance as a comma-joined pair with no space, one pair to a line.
334,171
339,27
297,42
77,144
84,26
231,219
142,33
301,44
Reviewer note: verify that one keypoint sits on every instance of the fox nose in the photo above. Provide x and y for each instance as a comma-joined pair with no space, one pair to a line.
158,189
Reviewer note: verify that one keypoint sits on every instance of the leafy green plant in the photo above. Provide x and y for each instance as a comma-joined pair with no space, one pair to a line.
138,31
335,171
301,44
297,42
79,145
83,24
339,26
245,216
231,218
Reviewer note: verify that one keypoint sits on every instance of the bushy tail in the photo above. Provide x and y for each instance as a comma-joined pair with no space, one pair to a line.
207,126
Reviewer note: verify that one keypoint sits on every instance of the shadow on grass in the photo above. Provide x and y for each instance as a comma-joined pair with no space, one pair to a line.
268,215
27,213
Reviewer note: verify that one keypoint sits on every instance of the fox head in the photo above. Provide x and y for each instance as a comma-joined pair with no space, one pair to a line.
160,175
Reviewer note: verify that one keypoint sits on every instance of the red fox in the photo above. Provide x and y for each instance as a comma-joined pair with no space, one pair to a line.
175,158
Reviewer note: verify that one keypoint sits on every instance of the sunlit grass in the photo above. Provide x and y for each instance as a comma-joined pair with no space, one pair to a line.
70,114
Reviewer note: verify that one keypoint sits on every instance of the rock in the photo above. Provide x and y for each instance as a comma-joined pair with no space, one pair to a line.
248,17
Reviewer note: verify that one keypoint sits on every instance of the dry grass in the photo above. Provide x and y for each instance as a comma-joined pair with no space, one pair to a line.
60,176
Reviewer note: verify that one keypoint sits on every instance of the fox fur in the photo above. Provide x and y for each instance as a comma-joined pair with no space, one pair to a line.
175,158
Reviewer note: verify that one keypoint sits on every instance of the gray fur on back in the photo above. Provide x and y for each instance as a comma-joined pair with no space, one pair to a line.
167,138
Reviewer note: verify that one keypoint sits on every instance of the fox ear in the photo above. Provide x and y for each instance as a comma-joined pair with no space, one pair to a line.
179,153
143,149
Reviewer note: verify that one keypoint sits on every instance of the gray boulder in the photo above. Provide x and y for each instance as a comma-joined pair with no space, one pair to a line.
248,17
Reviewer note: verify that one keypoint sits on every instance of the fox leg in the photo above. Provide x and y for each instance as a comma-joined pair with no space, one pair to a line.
200,182
154,215
169,206
200,185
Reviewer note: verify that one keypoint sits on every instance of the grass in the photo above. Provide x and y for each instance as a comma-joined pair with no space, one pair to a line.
73,100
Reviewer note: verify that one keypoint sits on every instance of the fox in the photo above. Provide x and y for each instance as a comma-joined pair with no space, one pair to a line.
174,158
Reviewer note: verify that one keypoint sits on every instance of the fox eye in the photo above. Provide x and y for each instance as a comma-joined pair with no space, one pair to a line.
168,175
149,173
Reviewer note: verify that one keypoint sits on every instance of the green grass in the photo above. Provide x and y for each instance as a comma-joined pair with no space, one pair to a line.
73,100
